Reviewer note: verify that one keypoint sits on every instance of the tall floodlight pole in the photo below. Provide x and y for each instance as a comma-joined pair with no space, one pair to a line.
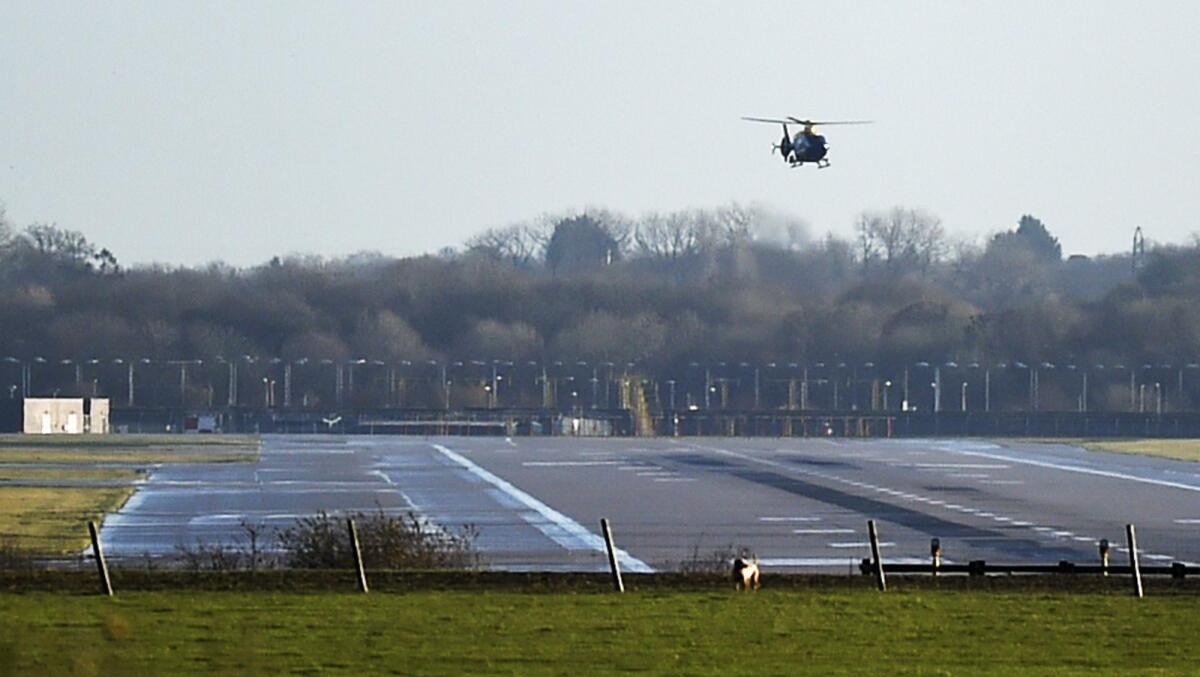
445,388
496,386
1083,394
804,389
937,389
287,385
183,383
231,391
987,389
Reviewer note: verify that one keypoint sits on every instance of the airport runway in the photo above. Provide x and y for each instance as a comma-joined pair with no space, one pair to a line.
797,503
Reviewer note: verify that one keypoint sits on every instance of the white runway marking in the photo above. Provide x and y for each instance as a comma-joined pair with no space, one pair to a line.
833,561
822,531
864,544
566,464
675,479
556,526
964,466
789,519
1077,469
1187,521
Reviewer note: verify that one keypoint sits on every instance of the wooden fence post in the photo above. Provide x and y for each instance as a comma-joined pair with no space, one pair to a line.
880,581
358,563
615,566
1131,541
101,565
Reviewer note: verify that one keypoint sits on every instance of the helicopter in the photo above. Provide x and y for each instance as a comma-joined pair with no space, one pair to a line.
806,145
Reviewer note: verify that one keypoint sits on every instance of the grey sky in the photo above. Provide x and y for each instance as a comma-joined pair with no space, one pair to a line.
186,132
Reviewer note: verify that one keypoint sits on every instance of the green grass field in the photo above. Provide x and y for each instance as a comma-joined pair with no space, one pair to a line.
49,519
783,631
1180,450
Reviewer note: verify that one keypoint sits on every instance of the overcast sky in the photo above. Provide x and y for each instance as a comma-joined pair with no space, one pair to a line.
183,132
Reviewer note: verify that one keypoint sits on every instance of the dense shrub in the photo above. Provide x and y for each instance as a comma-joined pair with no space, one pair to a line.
387,542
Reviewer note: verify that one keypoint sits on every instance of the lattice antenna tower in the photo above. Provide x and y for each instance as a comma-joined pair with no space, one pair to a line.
1139,250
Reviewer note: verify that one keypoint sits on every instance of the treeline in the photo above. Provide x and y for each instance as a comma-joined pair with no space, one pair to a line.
664,290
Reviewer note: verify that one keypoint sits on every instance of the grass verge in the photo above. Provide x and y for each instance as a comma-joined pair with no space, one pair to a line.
783,631
51,519
1178,449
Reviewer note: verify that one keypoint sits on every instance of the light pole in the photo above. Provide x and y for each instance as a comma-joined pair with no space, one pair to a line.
1083,391
671,390
887,385
496,386
595,387
804,388
964,396
708,388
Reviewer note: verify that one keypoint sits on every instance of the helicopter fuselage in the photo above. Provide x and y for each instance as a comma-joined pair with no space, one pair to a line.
807,147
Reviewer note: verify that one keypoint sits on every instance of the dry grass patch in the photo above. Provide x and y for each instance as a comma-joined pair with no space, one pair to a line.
18,472
53,520
1178,449
128,456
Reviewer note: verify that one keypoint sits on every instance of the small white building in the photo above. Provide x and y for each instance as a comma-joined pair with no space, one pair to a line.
65,415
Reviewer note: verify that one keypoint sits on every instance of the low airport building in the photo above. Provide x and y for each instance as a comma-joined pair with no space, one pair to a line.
55,415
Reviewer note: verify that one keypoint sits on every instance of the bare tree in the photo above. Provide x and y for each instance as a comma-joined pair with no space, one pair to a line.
900,240
518,244
667,236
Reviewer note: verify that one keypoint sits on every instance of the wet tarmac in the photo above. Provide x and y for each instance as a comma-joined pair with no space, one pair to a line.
797,503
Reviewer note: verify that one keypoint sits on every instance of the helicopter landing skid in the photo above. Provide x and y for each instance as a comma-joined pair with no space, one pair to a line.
821,164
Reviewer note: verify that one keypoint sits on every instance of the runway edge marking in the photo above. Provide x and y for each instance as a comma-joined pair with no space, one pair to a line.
557,527
1074,468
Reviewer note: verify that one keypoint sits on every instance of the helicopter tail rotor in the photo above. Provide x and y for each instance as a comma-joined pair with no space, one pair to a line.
784,146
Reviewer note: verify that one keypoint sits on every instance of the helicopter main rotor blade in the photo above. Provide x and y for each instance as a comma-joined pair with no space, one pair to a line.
774,121
816,123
